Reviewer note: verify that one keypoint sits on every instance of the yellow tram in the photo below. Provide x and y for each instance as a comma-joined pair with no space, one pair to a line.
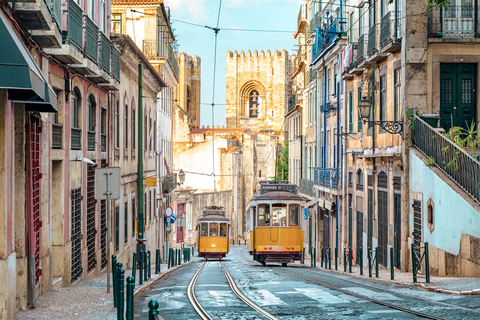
274,226
213,233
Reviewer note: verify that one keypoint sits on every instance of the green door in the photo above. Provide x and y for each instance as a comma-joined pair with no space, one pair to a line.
457,94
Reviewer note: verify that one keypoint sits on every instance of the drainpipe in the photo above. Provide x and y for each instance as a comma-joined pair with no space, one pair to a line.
338,143
324,160
140,224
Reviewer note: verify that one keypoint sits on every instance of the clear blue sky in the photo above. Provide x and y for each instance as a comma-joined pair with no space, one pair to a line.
234,14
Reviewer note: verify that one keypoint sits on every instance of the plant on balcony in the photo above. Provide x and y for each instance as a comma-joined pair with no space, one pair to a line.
166,189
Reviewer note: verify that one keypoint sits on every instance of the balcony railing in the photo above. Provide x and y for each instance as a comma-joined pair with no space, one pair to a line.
454,22
57,133
76,139
301,53
56,9
301,15
328,177
103,142
74,35
292,102
306,187
312,75
91,140
372,40
115,63
150,49
91,39
172,59
361,45
328,106
448,157
105,52
327,37
387,30
314,23
169,183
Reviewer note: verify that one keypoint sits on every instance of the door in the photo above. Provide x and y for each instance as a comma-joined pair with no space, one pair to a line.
326,231
397,221
382,227
417,223
359,234
457,95
180,210
370,219
91,209
76,236
350,220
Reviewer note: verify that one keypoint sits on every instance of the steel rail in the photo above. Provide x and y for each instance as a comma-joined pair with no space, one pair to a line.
193,298
237,291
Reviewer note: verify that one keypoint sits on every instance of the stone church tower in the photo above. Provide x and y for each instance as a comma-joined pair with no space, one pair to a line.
258,86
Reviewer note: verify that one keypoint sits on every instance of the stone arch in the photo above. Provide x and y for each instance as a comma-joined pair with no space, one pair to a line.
252,103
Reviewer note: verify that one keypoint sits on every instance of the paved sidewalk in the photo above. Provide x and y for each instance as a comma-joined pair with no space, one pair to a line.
464,286
86,300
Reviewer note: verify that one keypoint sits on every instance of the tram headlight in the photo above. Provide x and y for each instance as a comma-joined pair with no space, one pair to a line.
213,246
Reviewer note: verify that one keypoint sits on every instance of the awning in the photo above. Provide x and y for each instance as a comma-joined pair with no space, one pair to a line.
320,200
20,74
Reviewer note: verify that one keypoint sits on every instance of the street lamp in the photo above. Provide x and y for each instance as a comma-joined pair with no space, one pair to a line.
181,176
365,108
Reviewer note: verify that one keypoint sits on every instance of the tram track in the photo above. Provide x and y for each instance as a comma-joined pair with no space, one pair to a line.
363,297
234,288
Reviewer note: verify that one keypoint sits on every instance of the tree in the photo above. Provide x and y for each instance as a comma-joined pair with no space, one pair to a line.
281,164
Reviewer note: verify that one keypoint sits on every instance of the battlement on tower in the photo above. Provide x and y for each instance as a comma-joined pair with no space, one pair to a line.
262,54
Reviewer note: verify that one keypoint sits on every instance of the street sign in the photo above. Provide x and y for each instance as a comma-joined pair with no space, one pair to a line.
174,217
168,212
305,213
151,182
101,183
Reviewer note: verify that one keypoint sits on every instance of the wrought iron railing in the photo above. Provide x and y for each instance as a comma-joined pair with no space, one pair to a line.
74,34
169,183
91,39
328,177
314,23
328,106
57,133
56,9
301,53
448,157
454,22
301,15
91,140
76,139
372,40
360,56
292,102
312,75
172,59
387,29
103,142
150,49
115,63
327,37
306,187
105,52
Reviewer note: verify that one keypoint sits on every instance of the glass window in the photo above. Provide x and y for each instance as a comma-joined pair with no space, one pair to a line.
263,215
213,229
133,129
116,22
279,215
294,215
223,229
125,125
397,96
103,121
204,231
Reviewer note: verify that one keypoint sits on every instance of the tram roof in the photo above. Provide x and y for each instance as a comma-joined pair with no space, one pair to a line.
277,195
213,217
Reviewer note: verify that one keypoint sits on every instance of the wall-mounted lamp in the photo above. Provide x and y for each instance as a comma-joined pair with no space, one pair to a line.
181,176
365,108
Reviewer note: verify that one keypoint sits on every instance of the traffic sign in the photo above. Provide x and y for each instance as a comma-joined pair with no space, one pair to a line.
168,212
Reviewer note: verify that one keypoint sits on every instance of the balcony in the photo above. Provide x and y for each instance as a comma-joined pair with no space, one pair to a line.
327,38
361,46
154,50
89,65
452,22
312,75
328,107
301,20
169,183
390,33
328,177
372,40
57,133
292,103
103,142
314,23
172,59
76,143
91,140
306,187
105,52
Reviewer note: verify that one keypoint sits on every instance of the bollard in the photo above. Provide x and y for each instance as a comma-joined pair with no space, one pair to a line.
376,262
427,264
391,264
179,257
321,260
140,267
361,260
168,259
157,261
172,257
330,258
369,262
117,284
134,267
311,256
149,265
130,296
350,260
145,266
121,294
114,267
336,257
314,257
238,241
153,310
245,242
303,256
344,259
414,266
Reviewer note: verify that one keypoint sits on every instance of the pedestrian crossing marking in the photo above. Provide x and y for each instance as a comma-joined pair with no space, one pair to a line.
269,299
321,295
382,296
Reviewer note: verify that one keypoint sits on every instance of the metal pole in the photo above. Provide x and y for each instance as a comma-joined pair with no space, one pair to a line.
141,226
376,262
336,258
361,260
134,267
140,267
108,229
330,258
344,259
152,310
369,262
427,264
391,263
350,259
130,296
413,263
121,291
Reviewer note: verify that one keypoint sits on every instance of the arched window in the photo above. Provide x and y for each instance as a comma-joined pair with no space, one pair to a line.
359,180
76,131
253,104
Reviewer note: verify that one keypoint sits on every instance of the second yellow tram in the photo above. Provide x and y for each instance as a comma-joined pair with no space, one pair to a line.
274,227
213,233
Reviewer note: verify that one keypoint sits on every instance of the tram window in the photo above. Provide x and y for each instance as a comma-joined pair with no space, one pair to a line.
213,229
294,215
204,229
223,229
279,215
263,215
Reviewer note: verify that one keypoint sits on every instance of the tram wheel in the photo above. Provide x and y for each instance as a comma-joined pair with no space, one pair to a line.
284,264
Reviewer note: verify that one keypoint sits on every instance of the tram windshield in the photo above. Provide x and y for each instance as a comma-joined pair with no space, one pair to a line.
294,215
279,215
264,215
204,230
213,229
223,229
